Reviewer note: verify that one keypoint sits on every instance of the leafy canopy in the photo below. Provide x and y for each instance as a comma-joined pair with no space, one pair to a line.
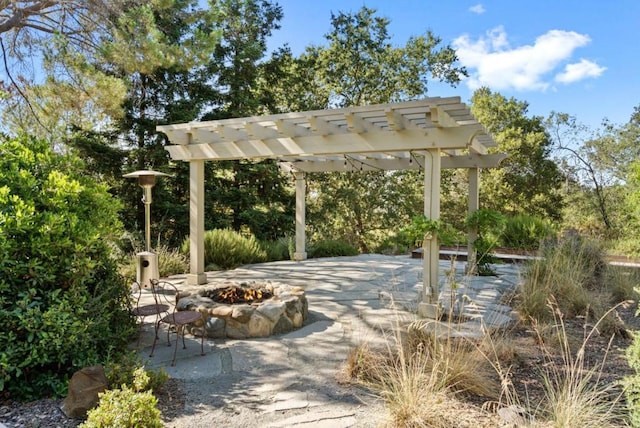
528,180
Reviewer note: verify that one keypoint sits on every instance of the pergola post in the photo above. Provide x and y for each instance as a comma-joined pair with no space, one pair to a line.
429,308
301,191
472,233
196,223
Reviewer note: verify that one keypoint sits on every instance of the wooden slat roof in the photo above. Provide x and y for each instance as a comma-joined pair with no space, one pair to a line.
384,136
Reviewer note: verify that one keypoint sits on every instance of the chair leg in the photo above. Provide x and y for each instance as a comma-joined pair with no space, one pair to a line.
202,343
157,325
140,329
175,349
155,339
184,345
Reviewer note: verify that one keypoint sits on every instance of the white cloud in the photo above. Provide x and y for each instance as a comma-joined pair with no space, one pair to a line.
492,62
479,9
579,70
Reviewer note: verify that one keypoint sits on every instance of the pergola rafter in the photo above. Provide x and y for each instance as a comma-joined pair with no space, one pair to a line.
427,134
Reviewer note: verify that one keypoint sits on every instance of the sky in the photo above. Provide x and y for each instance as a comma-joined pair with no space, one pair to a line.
580,57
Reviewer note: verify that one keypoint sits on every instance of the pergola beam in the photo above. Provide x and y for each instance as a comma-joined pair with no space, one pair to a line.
328,144
391,164
442,119
323,127
397,121
290,129
358,124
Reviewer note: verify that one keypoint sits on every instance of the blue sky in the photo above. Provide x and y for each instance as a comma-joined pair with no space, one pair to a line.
570,56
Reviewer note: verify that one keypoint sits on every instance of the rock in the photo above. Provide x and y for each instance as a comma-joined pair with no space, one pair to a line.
236,330
259,325
84,387
272,310
298,320
242,313
222,311
215,327
516,416
284,325
192,302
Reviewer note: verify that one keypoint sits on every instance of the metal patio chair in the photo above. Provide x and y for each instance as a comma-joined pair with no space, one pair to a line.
175,320
156,305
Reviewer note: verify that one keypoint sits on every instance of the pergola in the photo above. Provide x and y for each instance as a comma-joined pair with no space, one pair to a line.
430,134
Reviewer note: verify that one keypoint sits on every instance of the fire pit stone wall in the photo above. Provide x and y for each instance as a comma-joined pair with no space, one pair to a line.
284,311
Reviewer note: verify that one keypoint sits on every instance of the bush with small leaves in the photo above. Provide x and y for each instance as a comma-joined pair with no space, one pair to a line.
526,232
122,371
276,250
62,302
331,248
228,249
128,407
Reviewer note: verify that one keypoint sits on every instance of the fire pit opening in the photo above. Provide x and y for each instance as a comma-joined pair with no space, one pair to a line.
240,310
238,294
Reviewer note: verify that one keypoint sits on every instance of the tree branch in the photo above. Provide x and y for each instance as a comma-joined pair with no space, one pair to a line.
15,85
20,15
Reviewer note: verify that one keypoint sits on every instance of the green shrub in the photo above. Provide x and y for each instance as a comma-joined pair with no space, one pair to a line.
526,232
63,304
128,407
392,246
412,236
122,371
331,248
632,382
450,236
228,249
171,261
276,250
627,245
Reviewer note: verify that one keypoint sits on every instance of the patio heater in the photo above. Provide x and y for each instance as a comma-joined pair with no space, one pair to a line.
147,261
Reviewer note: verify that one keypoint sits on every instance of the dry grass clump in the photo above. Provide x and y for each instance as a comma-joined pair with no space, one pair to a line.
575,394
574,275
572,281
421,378
568,271
428,381
622,282
457,361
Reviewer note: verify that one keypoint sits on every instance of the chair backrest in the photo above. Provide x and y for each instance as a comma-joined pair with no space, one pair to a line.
165,292
159,293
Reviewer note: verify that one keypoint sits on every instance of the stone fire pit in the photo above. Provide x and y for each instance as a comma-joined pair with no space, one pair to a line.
244,309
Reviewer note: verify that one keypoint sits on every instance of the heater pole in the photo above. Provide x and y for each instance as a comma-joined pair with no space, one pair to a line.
146,199
147,269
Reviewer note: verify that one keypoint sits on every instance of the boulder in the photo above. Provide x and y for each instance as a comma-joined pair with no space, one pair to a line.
84,387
